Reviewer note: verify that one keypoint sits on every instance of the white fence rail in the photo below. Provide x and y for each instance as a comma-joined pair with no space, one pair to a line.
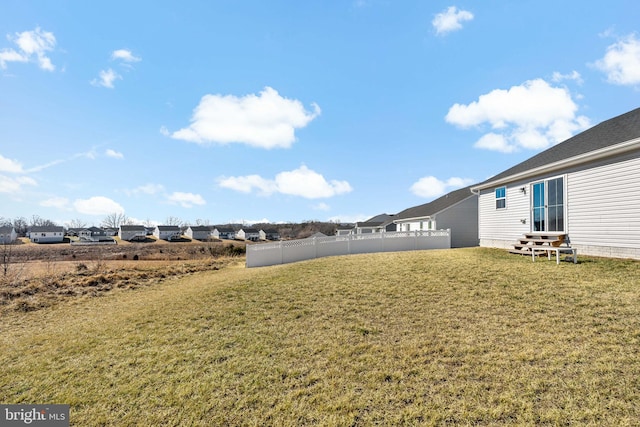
287,251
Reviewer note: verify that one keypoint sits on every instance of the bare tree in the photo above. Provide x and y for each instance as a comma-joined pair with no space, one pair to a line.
5,222
114,220
37,221
6,258
202,222
20,225
11,271
77,223
173,220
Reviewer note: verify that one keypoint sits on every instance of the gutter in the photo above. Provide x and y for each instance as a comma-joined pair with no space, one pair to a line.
602,153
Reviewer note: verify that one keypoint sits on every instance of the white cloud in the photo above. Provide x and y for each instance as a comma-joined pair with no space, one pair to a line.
124,55
114,154
266,120
431,187
10,55
56,202
246,184
186,200
302,182
98,205
145,189
15,185
557,77
621,63
349,219
31,45
8,165
309,184
322,207
106,78
250,222
450,20
495,142
533,115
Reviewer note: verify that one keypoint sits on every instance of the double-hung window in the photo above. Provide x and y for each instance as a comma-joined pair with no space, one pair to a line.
501,198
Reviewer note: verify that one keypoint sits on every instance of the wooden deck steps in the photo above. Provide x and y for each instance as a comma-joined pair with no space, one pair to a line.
527,241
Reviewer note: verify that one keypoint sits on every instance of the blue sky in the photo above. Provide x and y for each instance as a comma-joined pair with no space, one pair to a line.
230,111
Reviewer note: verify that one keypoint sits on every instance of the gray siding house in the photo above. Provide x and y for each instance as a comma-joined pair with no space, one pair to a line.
248,234
132,232
7,235
344,229
46,234
167,232
378,224
199,232
457,211
224,233
585,187
269,234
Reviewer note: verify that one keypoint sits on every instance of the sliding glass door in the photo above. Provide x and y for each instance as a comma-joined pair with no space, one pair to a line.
547,205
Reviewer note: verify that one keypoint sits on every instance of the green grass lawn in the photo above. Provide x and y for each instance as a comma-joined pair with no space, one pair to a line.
463,337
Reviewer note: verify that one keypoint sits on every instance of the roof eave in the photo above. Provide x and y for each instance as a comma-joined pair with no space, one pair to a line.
415,218
602,153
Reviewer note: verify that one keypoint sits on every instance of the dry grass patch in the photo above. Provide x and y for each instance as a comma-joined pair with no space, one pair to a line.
465,337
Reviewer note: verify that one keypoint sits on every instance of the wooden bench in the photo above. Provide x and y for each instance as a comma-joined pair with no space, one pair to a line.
557,249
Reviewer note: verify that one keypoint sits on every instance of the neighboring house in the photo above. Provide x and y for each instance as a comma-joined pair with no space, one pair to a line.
585,187
199,232
167,232
457,211
227,233
248,234
111,232
7,235
150,229
74,231
378,224
95,234
132,232
46,234
269,234
344,229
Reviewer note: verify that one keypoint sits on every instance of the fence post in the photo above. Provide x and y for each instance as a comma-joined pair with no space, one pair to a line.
281,252
315,247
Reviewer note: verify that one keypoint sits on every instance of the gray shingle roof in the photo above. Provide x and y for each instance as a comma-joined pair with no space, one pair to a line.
614,131
225,230
168,228
438,205
46,229
251,230
206,228
133,228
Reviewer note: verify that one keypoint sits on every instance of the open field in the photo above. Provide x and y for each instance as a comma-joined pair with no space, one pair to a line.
462,337
35,276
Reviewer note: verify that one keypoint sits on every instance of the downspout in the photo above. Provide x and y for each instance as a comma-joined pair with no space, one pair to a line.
477,194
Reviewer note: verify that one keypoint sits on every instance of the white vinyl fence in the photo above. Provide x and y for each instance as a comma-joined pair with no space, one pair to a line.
287,251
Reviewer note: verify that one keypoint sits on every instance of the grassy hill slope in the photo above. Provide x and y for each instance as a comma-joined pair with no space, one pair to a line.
469,336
